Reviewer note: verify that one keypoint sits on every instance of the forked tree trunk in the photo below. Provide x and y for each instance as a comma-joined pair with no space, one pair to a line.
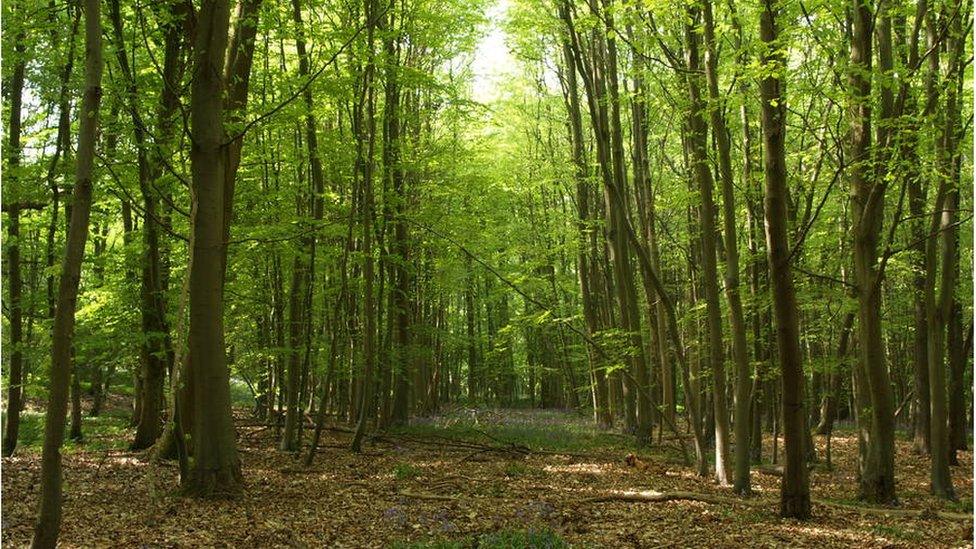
601,406
216,470
877,482
366,138
638,411
743,377
156,348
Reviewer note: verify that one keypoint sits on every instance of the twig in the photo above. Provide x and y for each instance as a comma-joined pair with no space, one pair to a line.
421,495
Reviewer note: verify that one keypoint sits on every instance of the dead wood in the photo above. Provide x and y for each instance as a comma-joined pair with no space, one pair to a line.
661,497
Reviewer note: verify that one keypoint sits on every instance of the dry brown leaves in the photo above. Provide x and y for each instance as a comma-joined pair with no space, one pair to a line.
348,500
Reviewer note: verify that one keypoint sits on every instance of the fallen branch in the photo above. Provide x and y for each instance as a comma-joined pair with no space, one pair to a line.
777,470
422,495
661,497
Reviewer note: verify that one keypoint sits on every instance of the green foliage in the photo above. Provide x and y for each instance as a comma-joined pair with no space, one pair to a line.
897,533
406,471
516,469
537,430
109,431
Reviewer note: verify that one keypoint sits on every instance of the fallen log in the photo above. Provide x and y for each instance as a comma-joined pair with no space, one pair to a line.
661,497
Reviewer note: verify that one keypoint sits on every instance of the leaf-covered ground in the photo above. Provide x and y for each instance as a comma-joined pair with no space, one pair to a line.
449,481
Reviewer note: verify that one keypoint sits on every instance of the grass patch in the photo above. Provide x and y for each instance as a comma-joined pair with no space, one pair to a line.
964,505
896,533
502,539
515,469
553,431
406,471
109,431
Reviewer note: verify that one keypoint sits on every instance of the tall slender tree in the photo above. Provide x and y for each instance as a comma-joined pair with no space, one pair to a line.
795,488
48,524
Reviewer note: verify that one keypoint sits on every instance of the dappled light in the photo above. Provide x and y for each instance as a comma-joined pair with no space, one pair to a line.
487,274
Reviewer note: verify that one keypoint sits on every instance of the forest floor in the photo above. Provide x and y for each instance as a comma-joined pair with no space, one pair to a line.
470,478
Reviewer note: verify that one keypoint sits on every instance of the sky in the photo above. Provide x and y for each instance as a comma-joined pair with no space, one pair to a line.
492,58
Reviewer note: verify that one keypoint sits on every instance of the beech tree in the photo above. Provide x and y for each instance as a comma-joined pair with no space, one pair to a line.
738,232
49,516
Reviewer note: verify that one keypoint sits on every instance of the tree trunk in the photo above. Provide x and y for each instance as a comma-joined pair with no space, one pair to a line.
940,251
601,407
877,482
795,489
474,367
216,470
938,307
49,517
743,376
828,408
697,141
916,201
366,140
959,354
14,281
156,349
296,320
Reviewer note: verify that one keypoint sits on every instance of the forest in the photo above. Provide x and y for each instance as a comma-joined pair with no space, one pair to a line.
487,273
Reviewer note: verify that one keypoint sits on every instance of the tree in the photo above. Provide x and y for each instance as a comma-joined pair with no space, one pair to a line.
743,377
795,488
877,474
216,468
697,146
365,139
49,516
15,93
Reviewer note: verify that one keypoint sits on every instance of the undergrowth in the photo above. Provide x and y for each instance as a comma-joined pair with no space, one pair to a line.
536,430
